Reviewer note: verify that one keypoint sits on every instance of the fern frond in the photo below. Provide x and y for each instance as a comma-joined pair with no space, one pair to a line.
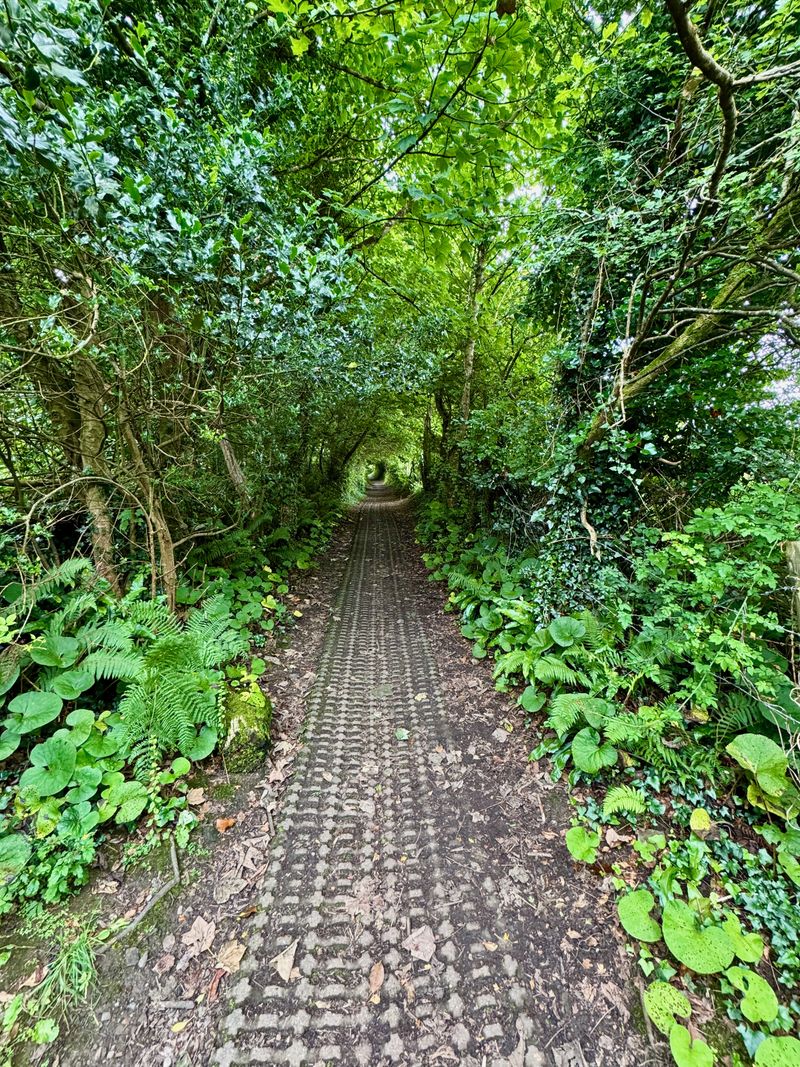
551,669
120,666
153,616
736,714
66,574
623,798
512,662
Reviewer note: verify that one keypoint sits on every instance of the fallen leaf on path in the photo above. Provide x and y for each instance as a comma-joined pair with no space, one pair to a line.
284,961
490,946
108,886
34,978
230,956
166,963
213,989
200,936
421,944
376,976
196,796
401,734
227,888
224,824
179,1027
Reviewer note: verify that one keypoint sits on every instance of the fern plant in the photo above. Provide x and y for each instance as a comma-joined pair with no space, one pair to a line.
174,702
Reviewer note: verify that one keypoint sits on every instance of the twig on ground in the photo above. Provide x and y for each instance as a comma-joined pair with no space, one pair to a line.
175,881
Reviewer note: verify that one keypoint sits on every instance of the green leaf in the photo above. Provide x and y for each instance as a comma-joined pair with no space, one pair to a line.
44,1031
401,733
202,746
706,950
778,1052
749,948
688,1052
87,781
765,760
634,914
100,745
15,851
565,631
700,821
81,721
52,765
9,743
663,1002
588,754
35,709
130,799
71,684
582,844
532,700
52,651
759,1003
180,766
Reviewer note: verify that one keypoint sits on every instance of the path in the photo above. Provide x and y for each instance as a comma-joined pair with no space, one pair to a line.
382,837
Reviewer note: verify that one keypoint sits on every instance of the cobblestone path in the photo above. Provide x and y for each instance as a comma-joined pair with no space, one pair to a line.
371,850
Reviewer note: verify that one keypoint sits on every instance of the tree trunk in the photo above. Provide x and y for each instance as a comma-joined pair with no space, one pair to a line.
476,285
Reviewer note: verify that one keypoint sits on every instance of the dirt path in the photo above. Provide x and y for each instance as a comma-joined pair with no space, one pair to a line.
402,805
419,896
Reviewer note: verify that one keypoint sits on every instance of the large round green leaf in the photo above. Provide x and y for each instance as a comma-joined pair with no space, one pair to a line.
70,684
52,765
33,709
589,754
778,1052
663,1002
15,851
688,1051
80,721
706,950
565,631
100,744
203,745
765,760
532,700
87,781
759,1003
634,914
130,799
52,651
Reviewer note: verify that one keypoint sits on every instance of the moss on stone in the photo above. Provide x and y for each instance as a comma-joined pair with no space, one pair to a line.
248,717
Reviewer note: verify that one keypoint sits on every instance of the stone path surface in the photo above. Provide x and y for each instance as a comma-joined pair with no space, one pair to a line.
380,872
